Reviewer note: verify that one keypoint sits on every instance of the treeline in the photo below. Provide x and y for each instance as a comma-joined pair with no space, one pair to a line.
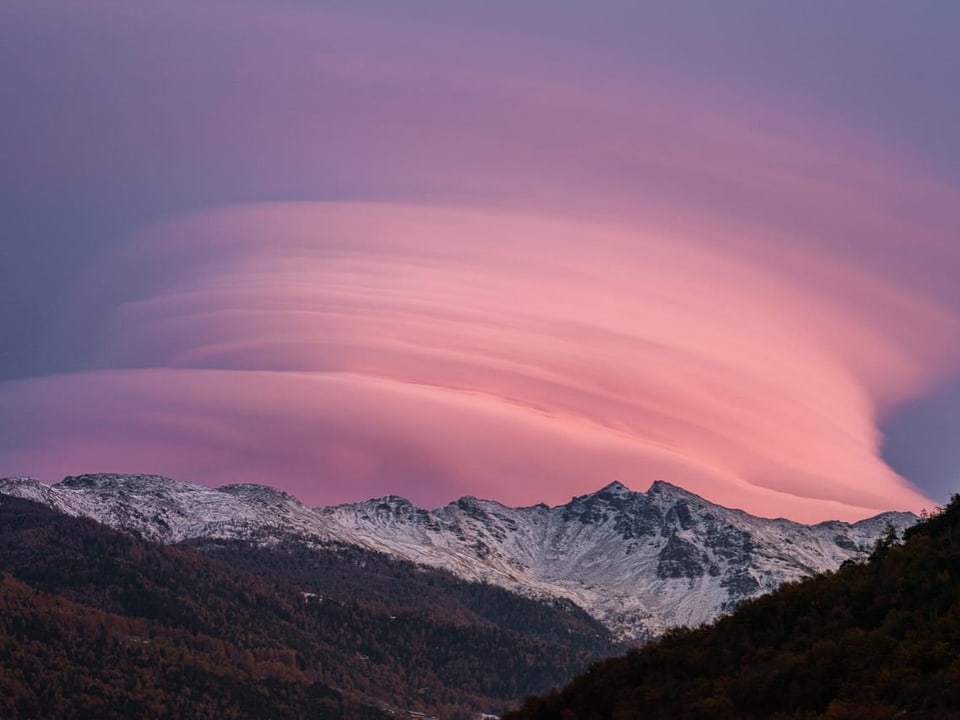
871,641
120,627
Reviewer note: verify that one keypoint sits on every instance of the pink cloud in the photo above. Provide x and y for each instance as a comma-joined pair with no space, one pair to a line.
338,437
581,276
352,349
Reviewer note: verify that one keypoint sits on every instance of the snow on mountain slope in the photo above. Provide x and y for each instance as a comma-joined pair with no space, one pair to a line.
168,511
639,562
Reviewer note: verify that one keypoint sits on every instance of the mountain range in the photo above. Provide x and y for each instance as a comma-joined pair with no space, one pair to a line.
639,562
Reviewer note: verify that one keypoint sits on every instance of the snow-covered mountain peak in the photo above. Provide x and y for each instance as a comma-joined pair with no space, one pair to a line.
117,482
613,491
618,501
381,512
640,562
259,493
614,488
668,491
385,503
166,510
19,481
23,487
471,504
30,489
879,523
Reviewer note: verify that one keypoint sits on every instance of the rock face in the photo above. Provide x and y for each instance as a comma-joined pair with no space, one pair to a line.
638,562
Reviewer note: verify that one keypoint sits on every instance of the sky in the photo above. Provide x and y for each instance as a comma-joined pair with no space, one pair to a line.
509,250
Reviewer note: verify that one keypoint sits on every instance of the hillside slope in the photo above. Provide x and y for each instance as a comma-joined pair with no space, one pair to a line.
871,641
61,660
281,639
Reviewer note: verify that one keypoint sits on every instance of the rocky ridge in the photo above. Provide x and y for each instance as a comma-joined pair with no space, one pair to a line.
640,562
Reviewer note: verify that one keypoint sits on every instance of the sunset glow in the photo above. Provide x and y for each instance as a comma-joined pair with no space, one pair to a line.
521,285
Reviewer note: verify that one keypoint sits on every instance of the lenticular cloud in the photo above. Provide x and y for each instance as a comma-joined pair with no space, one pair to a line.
348,350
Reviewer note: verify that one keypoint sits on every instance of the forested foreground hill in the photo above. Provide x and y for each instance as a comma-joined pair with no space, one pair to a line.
870,641
98,623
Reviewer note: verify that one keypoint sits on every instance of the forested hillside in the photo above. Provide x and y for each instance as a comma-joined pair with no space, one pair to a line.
100,623
875,640
61,659
351,574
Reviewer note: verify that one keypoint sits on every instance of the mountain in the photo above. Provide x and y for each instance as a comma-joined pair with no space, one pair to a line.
640,563
875,640
99,623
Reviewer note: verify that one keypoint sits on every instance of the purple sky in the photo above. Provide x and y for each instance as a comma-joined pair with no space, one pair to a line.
438,248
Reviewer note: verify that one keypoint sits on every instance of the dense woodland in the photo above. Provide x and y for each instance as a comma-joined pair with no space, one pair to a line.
874,640
60,659
96,623
353,575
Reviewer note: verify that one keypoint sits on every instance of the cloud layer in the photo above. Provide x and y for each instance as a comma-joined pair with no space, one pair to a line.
551,260
352,348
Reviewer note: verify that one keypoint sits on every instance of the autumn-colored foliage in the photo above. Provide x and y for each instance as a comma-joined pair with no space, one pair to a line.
98,624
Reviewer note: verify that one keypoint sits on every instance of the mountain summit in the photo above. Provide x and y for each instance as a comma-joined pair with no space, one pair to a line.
640,562
873,640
